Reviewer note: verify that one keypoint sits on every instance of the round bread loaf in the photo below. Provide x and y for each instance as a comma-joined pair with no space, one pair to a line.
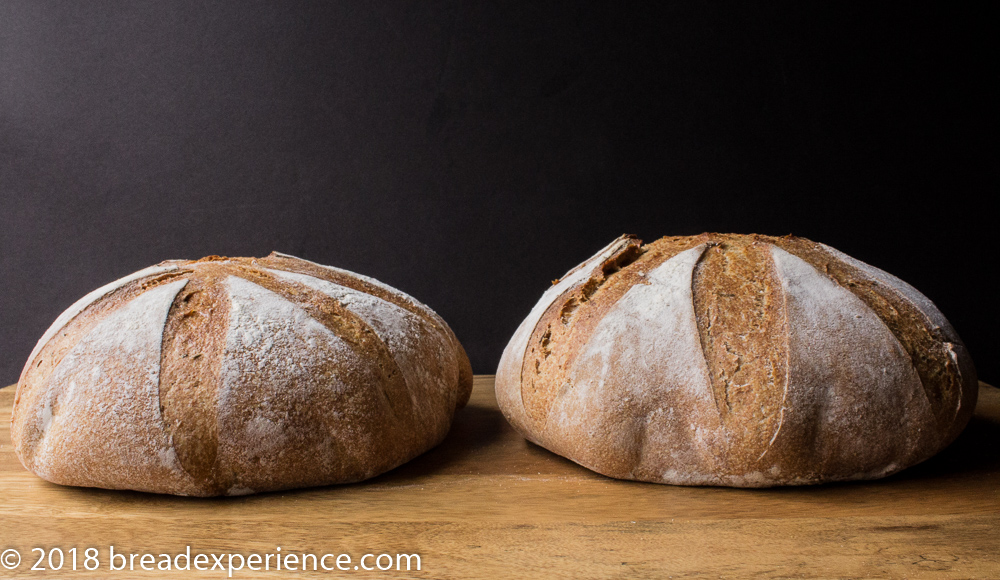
737,360
230,376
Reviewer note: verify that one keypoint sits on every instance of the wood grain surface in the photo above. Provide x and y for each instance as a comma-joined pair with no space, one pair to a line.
487,504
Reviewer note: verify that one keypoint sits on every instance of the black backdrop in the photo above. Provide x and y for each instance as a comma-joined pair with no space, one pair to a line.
469,154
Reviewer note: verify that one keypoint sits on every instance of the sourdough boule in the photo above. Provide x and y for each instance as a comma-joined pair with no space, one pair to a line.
230,376
736,360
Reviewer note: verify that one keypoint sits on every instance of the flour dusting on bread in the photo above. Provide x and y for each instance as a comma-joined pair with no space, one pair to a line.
101,419
275,379
746,361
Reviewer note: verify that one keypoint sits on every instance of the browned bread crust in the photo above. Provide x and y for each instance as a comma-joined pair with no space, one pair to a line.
739,360
229,376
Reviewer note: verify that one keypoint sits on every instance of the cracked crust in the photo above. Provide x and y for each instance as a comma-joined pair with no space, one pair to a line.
735,360
234,376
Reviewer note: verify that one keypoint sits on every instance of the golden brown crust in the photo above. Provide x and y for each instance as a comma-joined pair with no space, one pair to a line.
51,350
736,360
383,292
743,328
189,374
261,380
926,344
568,323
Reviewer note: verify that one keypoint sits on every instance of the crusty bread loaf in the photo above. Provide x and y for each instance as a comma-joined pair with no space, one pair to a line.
746,361
230,376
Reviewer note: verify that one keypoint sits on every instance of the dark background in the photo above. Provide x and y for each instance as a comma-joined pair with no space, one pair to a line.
470,154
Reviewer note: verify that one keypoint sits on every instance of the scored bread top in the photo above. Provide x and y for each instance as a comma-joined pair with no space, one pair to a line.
236,375
741,360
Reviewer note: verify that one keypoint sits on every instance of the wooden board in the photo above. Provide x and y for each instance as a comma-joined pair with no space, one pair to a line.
485,503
